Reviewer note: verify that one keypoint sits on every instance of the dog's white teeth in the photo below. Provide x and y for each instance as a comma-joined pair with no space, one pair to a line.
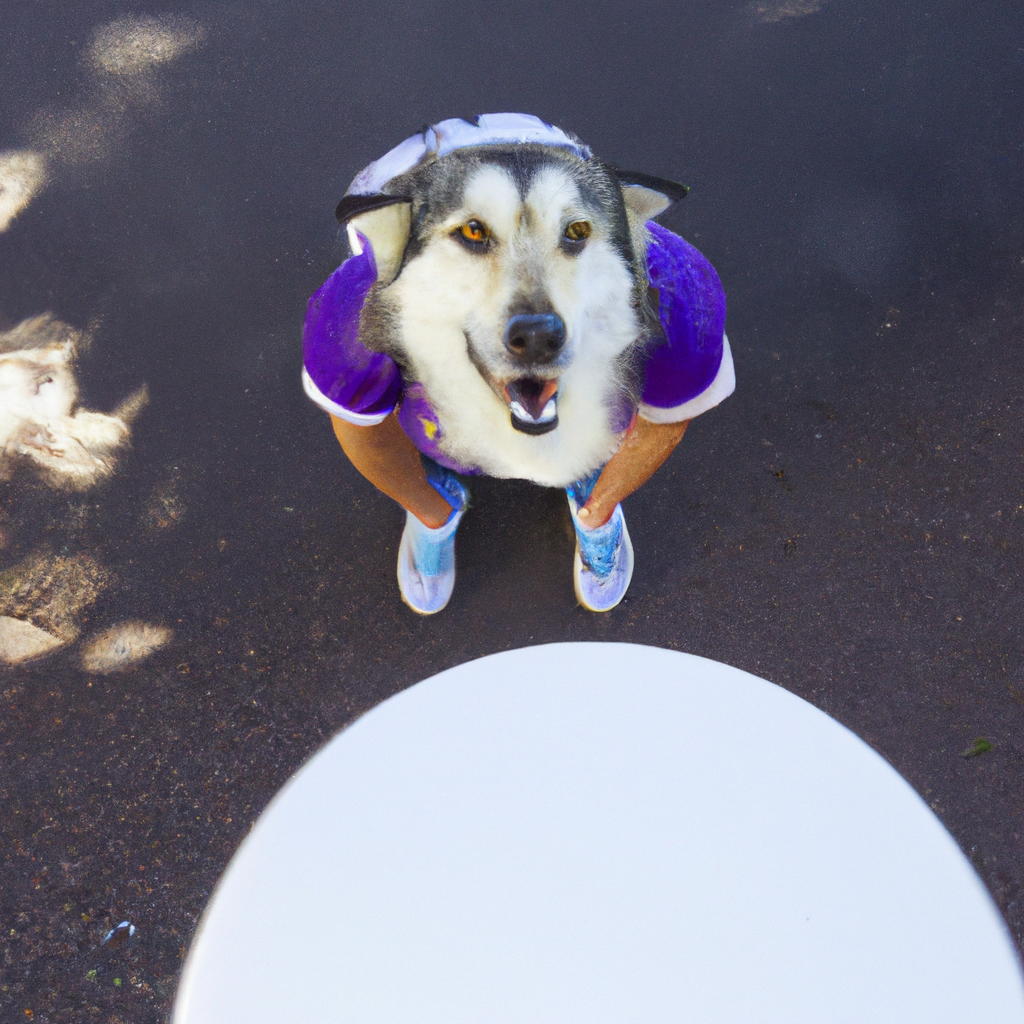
550,410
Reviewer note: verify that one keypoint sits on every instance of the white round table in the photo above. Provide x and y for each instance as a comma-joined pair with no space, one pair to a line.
591,833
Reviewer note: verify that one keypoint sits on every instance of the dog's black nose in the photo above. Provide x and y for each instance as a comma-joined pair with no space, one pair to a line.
535,338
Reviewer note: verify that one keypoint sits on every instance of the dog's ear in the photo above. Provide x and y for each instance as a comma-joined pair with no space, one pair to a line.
646,196
384,221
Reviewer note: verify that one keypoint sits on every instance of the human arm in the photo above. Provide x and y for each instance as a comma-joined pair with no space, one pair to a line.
387,458
645,448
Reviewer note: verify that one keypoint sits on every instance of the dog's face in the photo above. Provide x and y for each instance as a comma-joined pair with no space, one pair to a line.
512,284
536,270
526,253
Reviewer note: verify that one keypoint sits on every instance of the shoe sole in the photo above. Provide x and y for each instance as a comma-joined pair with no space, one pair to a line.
577,572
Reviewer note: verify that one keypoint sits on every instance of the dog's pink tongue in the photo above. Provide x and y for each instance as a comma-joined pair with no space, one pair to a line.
532,395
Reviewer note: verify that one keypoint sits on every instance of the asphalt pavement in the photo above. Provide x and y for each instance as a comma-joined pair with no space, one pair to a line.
219,592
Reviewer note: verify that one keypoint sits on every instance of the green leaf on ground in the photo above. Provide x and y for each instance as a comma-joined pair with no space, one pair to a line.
981,746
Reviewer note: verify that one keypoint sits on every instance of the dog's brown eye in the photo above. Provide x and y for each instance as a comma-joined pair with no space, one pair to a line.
578,231
474,232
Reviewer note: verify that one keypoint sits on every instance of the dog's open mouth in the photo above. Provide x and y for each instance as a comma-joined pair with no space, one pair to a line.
533,404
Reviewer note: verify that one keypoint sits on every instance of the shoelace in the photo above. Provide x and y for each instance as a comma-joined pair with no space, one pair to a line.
432,550
599,547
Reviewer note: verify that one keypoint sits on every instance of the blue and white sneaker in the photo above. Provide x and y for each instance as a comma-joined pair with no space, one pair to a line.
426,557
603,564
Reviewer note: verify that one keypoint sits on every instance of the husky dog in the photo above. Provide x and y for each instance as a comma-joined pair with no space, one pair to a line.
510,297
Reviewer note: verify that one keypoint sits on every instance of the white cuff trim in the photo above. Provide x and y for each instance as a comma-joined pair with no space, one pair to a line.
719,389
358,418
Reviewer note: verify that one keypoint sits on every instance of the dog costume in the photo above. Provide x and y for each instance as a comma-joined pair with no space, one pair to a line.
685,372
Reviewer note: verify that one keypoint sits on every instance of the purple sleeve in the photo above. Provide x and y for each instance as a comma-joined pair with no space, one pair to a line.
692,310
340,374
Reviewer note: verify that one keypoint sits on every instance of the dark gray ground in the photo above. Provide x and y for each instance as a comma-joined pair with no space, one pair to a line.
847,525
